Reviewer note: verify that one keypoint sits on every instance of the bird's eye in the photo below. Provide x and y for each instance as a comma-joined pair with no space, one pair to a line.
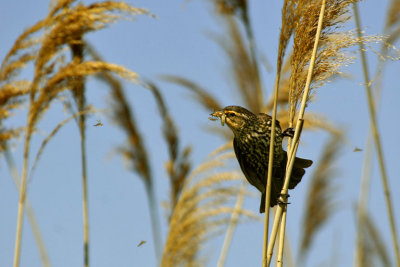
231,114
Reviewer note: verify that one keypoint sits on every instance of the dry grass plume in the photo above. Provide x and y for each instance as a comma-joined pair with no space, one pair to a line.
178,165
45,44
202,210
330,54
320,199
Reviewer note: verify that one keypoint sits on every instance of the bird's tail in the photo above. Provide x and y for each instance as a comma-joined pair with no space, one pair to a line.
298,170
279,176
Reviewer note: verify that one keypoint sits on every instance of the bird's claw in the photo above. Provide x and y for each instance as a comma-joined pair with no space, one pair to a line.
283,199
289,132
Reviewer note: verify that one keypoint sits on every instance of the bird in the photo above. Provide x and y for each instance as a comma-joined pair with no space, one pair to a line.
251,142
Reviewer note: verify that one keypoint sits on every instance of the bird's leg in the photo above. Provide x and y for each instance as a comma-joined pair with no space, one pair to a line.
283,199
289,132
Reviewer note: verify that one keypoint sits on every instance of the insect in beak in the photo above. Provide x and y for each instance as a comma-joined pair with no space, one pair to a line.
223,119
218,114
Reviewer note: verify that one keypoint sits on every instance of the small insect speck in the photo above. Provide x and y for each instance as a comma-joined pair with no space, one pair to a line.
141,243
356,149
98,123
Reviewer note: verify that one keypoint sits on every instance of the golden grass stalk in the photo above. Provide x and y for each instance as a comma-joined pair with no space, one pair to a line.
282,231
377,141
284,249
201,211
288,254
285,34
293,150
319,201
392,31
78,92
29,211
21,203
232,225
178,165
363,197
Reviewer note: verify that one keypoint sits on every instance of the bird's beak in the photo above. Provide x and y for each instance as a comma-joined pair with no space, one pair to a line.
218,114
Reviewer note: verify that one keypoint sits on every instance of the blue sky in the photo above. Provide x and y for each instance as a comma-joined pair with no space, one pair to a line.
178,42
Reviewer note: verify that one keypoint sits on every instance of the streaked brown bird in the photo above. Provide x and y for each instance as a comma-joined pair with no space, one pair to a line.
251,144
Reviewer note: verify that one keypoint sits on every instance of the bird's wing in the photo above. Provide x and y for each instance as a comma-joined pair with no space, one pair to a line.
247,169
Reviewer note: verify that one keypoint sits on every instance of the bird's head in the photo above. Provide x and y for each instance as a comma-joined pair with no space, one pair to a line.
235,117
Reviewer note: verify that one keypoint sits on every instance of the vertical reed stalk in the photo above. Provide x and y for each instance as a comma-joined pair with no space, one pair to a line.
85,198
281,51
155,221
363,198
79,95
274,232
296,139
232,226
29,212
270,168
22,195
377,140
281,240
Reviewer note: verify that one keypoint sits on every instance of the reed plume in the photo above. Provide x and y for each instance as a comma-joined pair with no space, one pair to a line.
243,66
178,165
133,151
320,200
63,28
201,94
374,249
202,210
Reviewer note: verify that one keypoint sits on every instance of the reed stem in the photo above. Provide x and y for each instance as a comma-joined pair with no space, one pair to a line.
231,227
21,203
296,139
29,212
375,132
155,221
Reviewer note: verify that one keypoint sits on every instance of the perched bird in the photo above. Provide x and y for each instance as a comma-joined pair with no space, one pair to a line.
252,135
